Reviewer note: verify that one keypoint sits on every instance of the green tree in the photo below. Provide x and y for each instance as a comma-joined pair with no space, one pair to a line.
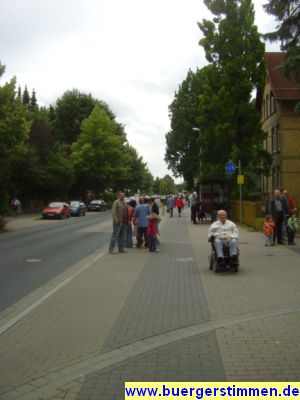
167,185
230,124
287,14
182,151
14,128
26,97
98,154
33,105
69,112
135,175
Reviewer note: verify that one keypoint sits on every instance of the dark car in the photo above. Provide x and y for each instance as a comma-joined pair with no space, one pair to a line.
56,209
97,205
77,208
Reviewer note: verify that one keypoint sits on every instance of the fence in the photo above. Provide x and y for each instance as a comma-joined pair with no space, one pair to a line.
253,212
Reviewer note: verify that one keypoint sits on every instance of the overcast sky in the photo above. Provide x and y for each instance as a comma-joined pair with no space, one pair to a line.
132,54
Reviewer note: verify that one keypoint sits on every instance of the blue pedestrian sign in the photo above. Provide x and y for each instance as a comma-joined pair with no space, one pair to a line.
230,167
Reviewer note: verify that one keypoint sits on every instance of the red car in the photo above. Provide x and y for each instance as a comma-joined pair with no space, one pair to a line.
57,209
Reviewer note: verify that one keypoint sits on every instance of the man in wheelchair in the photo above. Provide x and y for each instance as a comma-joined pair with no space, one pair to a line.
224,234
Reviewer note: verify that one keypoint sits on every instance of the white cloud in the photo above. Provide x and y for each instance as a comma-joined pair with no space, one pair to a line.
132,54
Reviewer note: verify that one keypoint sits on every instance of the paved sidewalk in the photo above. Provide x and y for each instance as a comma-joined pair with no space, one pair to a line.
156,317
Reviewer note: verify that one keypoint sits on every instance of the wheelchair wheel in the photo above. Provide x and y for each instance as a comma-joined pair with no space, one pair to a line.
215,267
210,261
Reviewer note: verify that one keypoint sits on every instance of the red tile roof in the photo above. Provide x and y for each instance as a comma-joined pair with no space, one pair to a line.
283,88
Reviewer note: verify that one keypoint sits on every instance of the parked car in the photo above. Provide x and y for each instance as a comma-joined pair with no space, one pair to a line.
77,208
56,209
97,205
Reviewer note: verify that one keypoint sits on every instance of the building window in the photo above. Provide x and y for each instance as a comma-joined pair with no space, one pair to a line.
267,106
278,137
273,103
278,183
274,137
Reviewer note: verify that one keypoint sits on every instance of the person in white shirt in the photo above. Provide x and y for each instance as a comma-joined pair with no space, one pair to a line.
224,233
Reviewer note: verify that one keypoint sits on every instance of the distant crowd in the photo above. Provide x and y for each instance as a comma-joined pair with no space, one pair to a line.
280,224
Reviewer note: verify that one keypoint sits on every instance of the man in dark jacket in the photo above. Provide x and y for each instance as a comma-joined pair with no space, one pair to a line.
120,219
278,208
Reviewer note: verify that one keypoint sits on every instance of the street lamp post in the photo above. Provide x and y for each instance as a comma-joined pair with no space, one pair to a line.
200,164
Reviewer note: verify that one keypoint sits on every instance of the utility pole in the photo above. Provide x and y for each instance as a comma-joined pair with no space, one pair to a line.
200,165
241,196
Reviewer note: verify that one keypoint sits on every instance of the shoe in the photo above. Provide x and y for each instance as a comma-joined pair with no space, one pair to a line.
156,250
123,251
112,251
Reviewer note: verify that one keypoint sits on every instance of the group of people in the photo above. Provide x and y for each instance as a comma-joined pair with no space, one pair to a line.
281,223
134,220
175,202
197,210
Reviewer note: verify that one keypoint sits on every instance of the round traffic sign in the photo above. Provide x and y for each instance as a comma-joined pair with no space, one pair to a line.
230,167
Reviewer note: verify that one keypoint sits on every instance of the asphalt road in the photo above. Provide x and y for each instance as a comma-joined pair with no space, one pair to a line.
30,256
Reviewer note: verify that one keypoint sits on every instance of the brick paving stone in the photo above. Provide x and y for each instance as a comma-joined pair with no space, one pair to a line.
122,300
278,357
193,359
167,295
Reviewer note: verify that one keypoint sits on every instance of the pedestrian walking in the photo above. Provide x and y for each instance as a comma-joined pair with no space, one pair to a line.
170,204
119,217
130,209
152,231
194,207
140,213
179,205
15,206
268,229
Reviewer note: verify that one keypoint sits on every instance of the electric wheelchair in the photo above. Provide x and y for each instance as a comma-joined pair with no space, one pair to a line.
229,265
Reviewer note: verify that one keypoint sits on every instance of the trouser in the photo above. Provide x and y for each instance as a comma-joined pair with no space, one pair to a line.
278,227
290,235
219,243
118,236
269,240
179,211
171,211
142,233
152,243
193,214
129,235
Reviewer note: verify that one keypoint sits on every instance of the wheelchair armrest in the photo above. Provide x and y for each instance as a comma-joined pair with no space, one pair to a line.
211,239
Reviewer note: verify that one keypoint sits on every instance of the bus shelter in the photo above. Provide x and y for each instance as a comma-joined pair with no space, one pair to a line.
214,196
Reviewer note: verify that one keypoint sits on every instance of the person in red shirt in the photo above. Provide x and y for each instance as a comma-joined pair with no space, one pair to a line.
152,231
291,202
179,205
269,228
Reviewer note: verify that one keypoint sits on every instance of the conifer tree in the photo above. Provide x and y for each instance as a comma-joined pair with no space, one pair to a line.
33,102
25,97
287,14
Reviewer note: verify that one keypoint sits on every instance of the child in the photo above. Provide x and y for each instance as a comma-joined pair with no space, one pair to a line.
269,228
291,228
152,231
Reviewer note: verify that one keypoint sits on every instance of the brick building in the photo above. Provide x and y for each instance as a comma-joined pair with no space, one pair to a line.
282,125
